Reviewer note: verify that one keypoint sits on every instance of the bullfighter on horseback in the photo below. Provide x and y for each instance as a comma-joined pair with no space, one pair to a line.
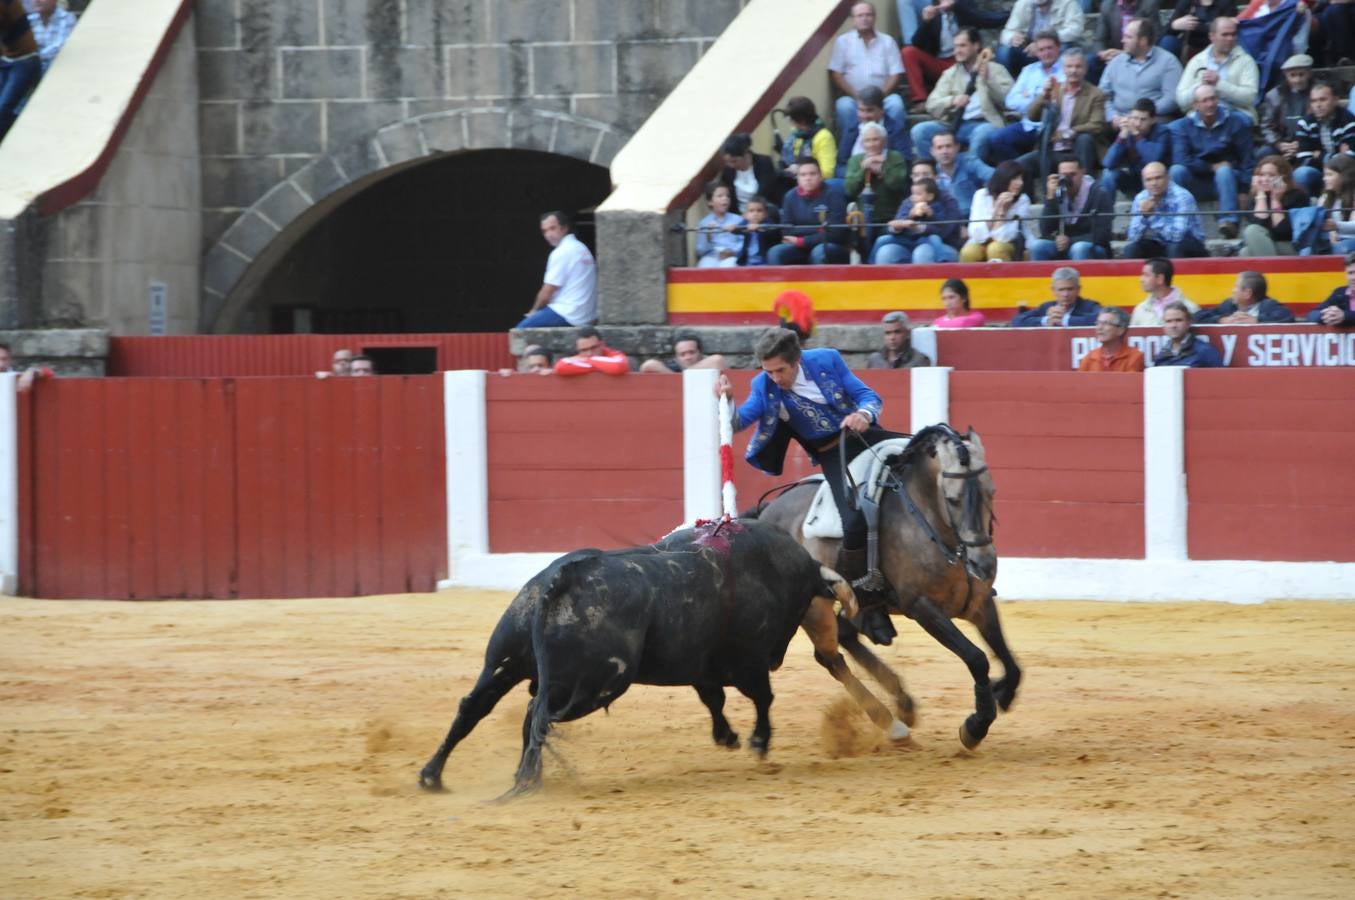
812,397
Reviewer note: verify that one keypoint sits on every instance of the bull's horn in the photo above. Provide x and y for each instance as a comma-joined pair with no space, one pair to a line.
841,590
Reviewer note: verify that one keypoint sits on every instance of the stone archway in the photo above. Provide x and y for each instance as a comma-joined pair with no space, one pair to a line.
233,267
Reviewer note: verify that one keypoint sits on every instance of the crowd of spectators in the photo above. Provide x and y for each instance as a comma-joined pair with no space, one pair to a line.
1203,109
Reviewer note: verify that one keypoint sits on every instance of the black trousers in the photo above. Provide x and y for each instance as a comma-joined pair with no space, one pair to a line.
853,521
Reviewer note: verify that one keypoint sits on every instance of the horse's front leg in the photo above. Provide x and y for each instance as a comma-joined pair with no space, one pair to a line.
849,637
1004,691
938,625
822,627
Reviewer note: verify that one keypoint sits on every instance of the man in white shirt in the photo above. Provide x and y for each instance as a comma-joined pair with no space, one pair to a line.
569,292
861,58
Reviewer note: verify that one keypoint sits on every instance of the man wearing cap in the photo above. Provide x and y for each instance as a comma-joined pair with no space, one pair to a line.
898,352
1282,108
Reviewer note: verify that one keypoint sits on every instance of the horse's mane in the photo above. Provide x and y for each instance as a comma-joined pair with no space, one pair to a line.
925,441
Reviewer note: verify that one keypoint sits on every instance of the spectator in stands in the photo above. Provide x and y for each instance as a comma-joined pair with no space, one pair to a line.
1212,155
20,62
1338,202
1110,25
1226,67
877,179
1163,219
1337,310
1077,215
1156,281
1249,305
747,173
536,360
959,174
686,355
863,58
758,235
967,99
925,229
1141,140
26,376
717,245
1036,80
1068,308
999,219
1284,105
569,292
898,352
1338,30
362,367
808,214
1114,354
591,354
1028,19
809,139
1188,32
51,23
870,109
342,363
1324,131
955,302
1184,347
1268,230
1071,116
1142,70
930,49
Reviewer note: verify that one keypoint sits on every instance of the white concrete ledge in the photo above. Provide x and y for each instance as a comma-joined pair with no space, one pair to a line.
1231,581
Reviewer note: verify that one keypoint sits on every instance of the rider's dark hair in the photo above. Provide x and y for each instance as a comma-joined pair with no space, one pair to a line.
780,342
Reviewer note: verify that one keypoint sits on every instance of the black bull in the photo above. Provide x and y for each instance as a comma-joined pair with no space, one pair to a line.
710,608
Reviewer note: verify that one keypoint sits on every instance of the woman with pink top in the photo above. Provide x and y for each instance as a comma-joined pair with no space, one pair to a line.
955,298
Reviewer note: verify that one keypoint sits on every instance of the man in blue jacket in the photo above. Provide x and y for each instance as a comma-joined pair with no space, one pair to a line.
1338,309
1068,307
1212,154
1249,305
1184,347
807,212
811,397
1141,141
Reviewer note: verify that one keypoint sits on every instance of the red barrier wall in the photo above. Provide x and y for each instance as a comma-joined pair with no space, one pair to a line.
210,356
134,488
592,461
1061,349
1269,464
1066,453
750,483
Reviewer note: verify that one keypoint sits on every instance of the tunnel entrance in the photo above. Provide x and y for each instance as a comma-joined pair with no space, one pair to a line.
450,245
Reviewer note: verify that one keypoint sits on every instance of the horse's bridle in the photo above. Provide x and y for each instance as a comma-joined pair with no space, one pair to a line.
961,552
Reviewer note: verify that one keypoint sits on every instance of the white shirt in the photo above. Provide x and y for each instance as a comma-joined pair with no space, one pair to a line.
745,185
862,64
805,387
571,270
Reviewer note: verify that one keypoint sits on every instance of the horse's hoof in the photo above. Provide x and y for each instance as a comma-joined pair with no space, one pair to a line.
758,746
898,732
730,740
969,741
431,783
907,711
1004,694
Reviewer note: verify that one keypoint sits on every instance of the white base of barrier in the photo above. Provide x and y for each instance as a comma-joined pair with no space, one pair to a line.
1049,579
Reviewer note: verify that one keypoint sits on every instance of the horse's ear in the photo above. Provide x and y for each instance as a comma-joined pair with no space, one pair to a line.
972,437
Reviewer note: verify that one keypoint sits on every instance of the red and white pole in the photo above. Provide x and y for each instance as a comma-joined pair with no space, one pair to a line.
727,501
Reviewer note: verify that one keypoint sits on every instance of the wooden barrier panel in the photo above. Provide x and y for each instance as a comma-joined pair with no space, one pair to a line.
1066,453
1061,349
158,488
749,483
211,356
591,461
1269,464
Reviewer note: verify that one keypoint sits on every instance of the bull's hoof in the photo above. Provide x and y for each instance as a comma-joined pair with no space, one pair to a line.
430,782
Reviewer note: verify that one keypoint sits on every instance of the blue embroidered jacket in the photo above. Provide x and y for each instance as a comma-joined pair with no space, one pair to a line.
812,424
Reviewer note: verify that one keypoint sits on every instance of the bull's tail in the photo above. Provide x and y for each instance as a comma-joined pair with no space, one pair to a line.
833,586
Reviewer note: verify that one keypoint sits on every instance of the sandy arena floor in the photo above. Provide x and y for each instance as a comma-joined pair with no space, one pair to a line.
270,749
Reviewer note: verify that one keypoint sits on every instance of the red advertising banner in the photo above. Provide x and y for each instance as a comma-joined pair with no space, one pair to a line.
1054,349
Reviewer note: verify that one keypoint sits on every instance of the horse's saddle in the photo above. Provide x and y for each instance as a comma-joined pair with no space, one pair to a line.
869,469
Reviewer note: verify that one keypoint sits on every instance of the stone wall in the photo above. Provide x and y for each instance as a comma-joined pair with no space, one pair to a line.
285,84
94,262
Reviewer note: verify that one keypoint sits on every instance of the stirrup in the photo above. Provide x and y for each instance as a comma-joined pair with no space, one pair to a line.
873,580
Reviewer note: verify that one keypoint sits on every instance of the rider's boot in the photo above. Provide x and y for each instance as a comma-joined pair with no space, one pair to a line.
873,594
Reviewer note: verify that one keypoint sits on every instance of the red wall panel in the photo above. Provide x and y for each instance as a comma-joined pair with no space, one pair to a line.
1268,464
593,461
208,356
280,487
1066,453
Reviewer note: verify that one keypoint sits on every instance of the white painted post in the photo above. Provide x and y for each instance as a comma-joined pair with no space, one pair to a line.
929,396
464,423
1164,463
9,483
700,445
924,341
